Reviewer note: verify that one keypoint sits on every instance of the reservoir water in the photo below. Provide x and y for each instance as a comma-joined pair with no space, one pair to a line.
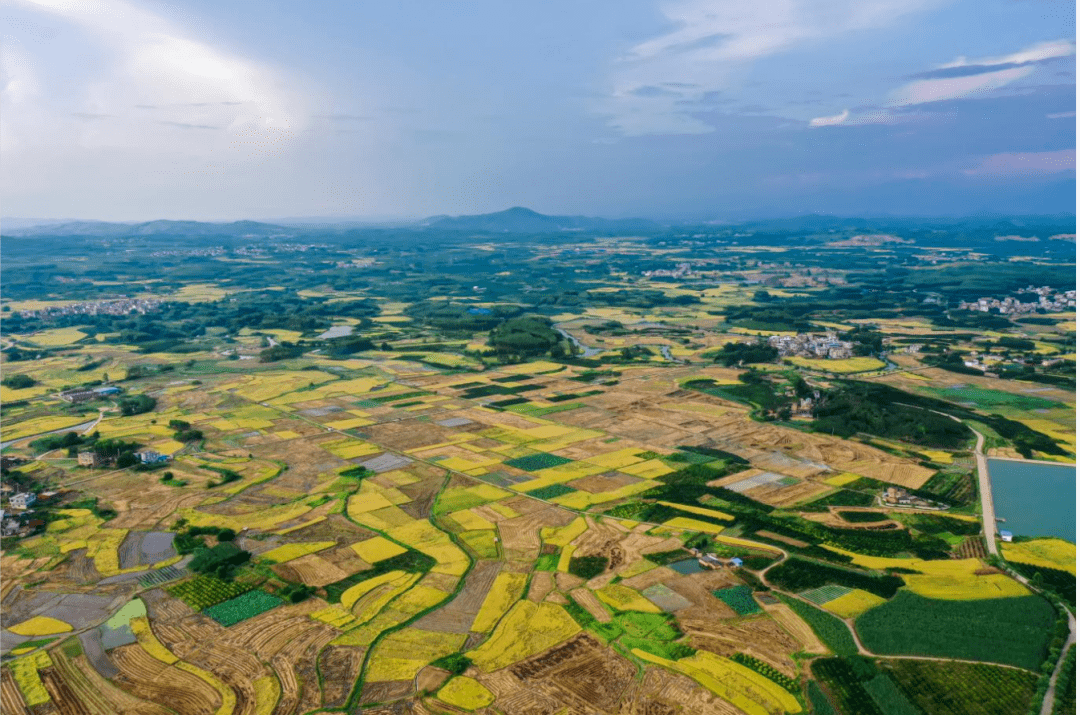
1035,499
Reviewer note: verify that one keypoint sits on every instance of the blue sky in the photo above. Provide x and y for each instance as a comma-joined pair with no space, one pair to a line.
687,109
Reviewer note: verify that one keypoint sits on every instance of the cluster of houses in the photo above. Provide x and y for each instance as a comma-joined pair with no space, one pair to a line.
810,345
96,393
682,270
897,496
21,520
94,459
121,306
1048,301
712,561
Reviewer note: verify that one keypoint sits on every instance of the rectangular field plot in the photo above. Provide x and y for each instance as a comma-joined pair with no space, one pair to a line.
739,598
536,462
824,594
758,480
241,608
665,598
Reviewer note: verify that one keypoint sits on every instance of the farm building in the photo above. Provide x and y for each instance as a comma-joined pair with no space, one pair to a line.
22,500
1006,536
149,456
90,459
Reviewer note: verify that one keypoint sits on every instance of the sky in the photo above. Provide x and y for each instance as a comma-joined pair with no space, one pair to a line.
678,109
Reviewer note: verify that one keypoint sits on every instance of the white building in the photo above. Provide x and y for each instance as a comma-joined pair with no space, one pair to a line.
22,500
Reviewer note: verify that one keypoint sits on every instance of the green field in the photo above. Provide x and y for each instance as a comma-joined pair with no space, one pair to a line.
943,688
1013,631
740,599
241,608
985,399
830,629
536,462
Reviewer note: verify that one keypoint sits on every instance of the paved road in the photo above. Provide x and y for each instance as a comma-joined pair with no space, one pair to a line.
1048,699
987,496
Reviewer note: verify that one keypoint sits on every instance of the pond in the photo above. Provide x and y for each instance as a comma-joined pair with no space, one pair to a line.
1034,498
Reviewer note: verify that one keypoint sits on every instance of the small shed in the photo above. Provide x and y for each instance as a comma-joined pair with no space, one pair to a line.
1006,536
736,562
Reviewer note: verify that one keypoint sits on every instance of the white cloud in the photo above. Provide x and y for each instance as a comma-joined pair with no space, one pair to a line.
1025,164
830,121
660,84
159,90
936,90
1061,115
1035,53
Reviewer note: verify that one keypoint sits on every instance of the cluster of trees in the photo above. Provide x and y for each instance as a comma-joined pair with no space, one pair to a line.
528,336
219,561
283,351
733,354
18,382
184,432
857,407
136,404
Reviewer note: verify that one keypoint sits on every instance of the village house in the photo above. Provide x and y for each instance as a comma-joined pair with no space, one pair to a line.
90,459
22,500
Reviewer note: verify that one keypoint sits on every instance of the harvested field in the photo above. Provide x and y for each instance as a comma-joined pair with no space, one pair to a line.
524,532
782,496
430,678
760,637
143,548
387,690
587,599
340,667
147,678
661,692
580,671
797,627
311,570
458,615
63,697
99,696
541,585
11,700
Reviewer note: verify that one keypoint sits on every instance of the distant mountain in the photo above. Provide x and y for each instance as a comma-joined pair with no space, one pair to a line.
523,220
105,229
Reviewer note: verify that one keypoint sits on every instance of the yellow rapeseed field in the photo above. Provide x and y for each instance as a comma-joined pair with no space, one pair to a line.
682,522
140,626
267,694
354,593
848,365
25,670
40,626
1051,553
949,579
288,552
703,511
853,604
465,693
506,589
38,425
752,693
624,598
562,536
470,521
56,337
526,630
841,479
